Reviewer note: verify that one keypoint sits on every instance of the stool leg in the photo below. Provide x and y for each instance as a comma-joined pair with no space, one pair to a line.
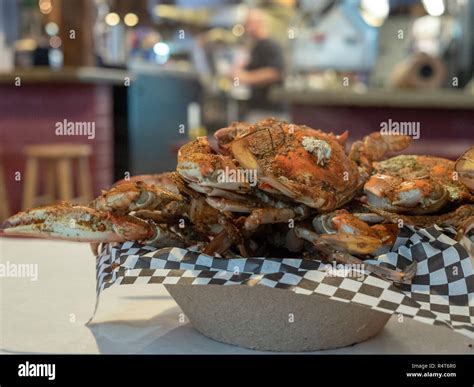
50,187
31,179
64,179
85,184
4,205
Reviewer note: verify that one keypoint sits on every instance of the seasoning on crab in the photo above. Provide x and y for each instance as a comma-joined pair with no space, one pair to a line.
415,184
320,149
307,165
301,172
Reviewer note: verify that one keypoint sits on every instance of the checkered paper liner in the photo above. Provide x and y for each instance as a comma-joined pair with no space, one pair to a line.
441,293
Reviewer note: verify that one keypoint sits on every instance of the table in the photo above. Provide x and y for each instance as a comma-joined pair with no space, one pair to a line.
49,315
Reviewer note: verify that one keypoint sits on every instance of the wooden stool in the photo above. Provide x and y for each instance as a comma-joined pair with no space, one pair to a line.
4,205
58,173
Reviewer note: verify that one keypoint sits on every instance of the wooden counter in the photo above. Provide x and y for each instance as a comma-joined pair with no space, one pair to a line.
439,99
82,75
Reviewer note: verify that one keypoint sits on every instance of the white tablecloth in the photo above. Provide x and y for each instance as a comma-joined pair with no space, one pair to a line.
49,315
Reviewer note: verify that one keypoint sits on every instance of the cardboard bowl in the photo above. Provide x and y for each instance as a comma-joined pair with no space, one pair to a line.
269,319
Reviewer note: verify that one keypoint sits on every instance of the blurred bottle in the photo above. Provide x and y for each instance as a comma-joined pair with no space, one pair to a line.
7,56
195,128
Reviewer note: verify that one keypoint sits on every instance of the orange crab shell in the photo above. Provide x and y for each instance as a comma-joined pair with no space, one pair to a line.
198,153
302,167
279,152
425,172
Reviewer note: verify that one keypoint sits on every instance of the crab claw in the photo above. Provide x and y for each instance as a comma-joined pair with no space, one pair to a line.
375,146
417,196
132,196
346,258
352,244
77,223
345,231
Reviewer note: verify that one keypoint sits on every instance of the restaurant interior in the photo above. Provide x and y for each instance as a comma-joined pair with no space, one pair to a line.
95,91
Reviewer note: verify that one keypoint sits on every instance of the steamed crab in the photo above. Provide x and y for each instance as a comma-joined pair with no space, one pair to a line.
415,184
254,181
301,171
305,165
415,189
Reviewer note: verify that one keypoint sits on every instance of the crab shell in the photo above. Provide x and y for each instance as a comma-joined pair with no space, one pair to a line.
202,167
306,165
465,168
415,184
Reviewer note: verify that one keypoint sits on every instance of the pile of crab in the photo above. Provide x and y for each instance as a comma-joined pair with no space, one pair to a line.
274,189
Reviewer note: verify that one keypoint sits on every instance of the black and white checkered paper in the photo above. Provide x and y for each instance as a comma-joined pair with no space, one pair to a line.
441,293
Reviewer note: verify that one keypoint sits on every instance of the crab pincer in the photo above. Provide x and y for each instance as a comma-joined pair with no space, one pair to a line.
76,223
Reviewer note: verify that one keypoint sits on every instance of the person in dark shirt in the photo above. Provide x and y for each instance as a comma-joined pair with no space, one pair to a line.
266,64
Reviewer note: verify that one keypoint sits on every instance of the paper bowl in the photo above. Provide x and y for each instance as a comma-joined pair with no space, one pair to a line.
269,319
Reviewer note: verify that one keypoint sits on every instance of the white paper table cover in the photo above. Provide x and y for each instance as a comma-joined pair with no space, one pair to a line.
49,315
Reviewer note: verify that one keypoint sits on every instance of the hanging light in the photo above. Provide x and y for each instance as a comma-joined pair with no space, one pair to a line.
434,7
238,30
131,19
112,19
374,12
45,6
162,52
51,29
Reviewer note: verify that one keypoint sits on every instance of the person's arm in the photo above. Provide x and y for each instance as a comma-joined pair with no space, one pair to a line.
261,76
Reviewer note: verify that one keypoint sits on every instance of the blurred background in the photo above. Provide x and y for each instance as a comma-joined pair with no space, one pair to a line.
93,91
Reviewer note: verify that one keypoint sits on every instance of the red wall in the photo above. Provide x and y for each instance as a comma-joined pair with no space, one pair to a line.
28,115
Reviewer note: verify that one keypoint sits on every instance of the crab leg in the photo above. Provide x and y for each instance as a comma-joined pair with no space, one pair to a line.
353,244
132,196
267,216
257,217
84,224
219,244
223,204
346,258
348,232
77,223
466,226
170,181
453,218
